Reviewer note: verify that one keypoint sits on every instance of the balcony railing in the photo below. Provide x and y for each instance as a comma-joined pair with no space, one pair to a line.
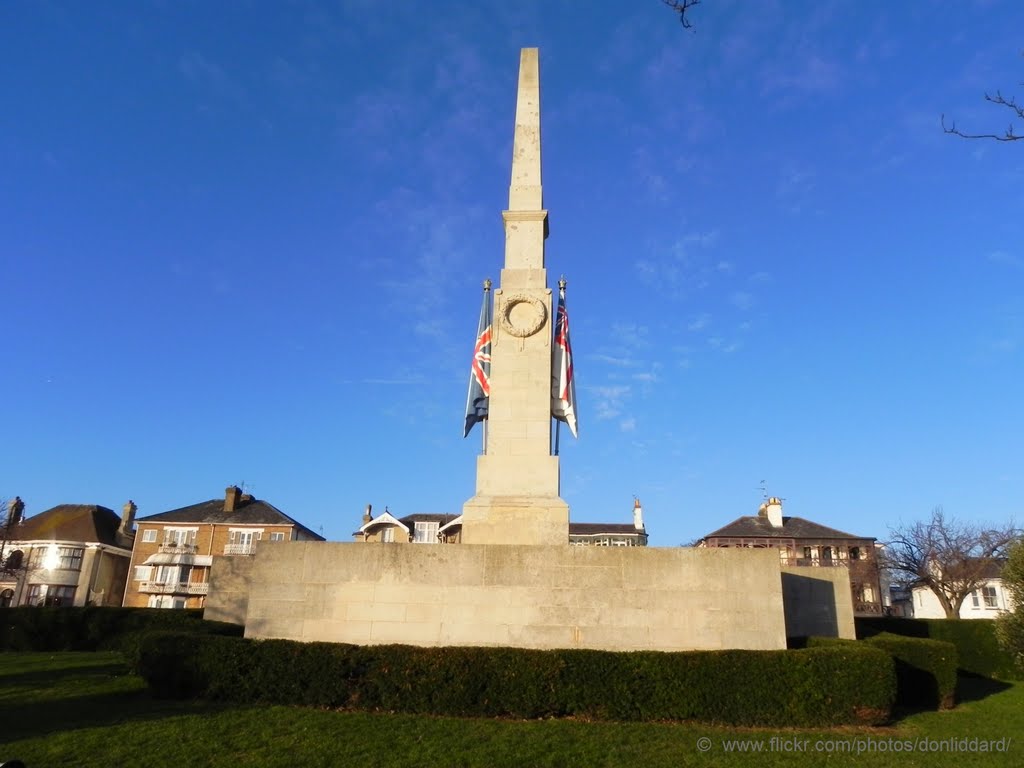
171,547
239,549
175,588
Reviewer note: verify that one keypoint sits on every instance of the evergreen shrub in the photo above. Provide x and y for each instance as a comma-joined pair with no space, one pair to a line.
925,669
853,684
95,628
977,645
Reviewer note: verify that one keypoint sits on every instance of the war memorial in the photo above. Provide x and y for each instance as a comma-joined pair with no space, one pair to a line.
514,580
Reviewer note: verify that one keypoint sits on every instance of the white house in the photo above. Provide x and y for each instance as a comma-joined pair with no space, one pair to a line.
986,602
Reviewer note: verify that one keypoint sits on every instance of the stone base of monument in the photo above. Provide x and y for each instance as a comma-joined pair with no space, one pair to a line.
611,598
515,520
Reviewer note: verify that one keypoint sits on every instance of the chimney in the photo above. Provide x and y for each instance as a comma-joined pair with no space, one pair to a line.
773,511
15,509
232,496
368,514
127,517
638,514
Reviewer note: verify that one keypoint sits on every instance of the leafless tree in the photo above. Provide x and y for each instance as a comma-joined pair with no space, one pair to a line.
1012,133
950,557
681,7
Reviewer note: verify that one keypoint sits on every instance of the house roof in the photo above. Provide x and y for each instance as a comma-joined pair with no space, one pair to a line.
596,529
88,523
247,512
758,527
575,529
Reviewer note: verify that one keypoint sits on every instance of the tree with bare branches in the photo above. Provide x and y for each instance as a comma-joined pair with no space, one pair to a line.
1013,133
681,7
949,557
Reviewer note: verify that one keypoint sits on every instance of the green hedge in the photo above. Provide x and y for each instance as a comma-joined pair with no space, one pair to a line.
976,643
925,669
94,628
814,687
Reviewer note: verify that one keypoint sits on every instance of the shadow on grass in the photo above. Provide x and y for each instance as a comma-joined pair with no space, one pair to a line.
975,687
39,718
968,688
45,678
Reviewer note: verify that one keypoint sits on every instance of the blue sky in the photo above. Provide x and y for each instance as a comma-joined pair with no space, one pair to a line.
244,242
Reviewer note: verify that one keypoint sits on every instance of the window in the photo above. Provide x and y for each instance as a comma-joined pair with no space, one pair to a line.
70,558
808,553
37,557
242,541
425,533
826,554
49,594
277,536
387,535
855,553
14,560
974,599
868,594
180,536
6,597
991,599
143,572
149,536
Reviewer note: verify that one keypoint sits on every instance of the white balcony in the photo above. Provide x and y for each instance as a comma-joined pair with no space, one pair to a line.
174,588
173,548
239,549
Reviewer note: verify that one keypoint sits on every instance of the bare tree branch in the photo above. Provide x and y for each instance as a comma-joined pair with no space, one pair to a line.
951,558
681,7
1012,133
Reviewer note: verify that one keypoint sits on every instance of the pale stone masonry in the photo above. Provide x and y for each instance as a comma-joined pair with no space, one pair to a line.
517,479
514,580
615,598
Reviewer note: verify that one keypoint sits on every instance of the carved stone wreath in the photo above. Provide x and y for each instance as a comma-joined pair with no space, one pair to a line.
530,328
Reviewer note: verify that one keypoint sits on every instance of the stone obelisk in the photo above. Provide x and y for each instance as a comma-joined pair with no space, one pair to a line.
517,489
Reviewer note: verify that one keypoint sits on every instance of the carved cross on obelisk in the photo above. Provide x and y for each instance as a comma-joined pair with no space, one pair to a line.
517,499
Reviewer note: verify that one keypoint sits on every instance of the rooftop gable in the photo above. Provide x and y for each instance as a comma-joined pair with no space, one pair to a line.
87,523
248,512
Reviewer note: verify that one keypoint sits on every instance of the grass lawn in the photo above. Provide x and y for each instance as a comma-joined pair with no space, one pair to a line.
83,709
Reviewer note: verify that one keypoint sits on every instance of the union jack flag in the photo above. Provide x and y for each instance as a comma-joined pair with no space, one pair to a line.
480,372
563,385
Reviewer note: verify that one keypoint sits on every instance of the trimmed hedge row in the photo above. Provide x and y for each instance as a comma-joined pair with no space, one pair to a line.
976,643
814,687
925,669
94,628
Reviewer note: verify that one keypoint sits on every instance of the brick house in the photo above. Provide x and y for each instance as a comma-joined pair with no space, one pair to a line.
804,542
70,555
174,551
425,528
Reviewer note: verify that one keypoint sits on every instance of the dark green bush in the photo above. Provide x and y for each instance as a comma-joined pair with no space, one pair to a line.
94,628
925,669
976,643
815,687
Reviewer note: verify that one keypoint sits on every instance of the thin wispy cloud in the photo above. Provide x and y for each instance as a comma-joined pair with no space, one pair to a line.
742,300
1006,259
699,323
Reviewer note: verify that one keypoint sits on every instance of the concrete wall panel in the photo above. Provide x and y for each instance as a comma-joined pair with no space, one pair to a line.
523,596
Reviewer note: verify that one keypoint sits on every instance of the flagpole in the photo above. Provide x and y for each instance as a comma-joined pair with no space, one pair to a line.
490,320
558,432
